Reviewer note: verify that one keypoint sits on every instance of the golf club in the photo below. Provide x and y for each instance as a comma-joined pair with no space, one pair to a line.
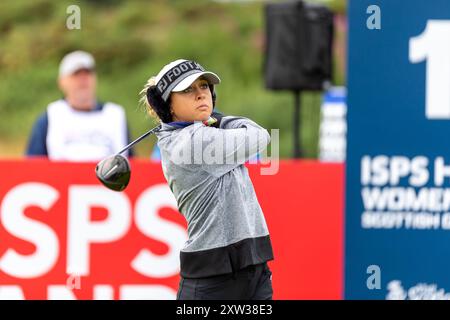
114,171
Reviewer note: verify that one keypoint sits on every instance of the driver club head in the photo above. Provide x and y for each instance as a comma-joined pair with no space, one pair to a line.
114,172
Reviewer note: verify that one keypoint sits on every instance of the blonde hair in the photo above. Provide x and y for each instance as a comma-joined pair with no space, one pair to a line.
143,101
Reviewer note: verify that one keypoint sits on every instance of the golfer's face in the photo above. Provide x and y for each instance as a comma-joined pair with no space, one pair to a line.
194,103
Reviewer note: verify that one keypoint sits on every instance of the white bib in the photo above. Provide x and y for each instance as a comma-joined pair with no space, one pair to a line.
85,135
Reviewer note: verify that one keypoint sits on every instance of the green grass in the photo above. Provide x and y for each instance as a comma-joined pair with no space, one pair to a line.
131,41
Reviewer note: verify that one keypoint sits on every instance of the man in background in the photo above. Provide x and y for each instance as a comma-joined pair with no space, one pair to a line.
78,127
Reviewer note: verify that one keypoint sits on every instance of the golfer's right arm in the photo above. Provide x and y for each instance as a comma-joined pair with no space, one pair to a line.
236,141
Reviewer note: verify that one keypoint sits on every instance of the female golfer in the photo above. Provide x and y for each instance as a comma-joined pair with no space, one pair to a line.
203,155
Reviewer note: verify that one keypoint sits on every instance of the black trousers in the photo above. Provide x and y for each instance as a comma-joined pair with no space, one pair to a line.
251,283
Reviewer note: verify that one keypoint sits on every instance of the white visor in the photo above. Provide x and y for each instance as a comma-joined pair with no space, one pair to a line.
211,77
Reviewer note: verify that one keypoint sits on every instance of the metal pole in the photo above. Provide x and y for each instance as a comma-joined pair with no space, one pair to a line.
297,117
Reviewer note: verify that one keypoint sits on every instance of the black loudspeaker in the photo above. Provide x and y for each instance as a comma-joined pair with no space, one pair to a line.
299,40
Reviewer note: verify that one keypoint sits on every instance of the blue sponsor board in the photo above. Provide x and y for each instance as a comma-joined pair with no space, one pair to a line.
397,229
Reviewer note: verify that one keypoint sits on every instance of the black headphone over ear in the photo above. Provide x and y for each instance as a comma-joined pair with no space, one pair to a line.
213,94
157,103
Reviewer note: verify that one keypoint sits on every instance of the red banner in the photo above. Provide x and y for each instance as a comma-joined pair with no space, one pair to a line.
65,236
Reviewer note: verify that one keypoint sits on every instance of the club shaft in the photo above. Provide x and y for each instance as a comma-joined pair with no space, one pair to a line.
139,139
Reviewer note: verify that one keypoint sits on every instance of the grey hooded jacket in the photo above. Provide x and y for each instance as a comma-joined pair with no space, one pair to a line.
204,167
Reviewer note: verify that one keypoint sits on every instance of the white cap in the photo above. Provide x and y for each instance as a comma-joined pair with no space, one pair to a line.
180,74
75,61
